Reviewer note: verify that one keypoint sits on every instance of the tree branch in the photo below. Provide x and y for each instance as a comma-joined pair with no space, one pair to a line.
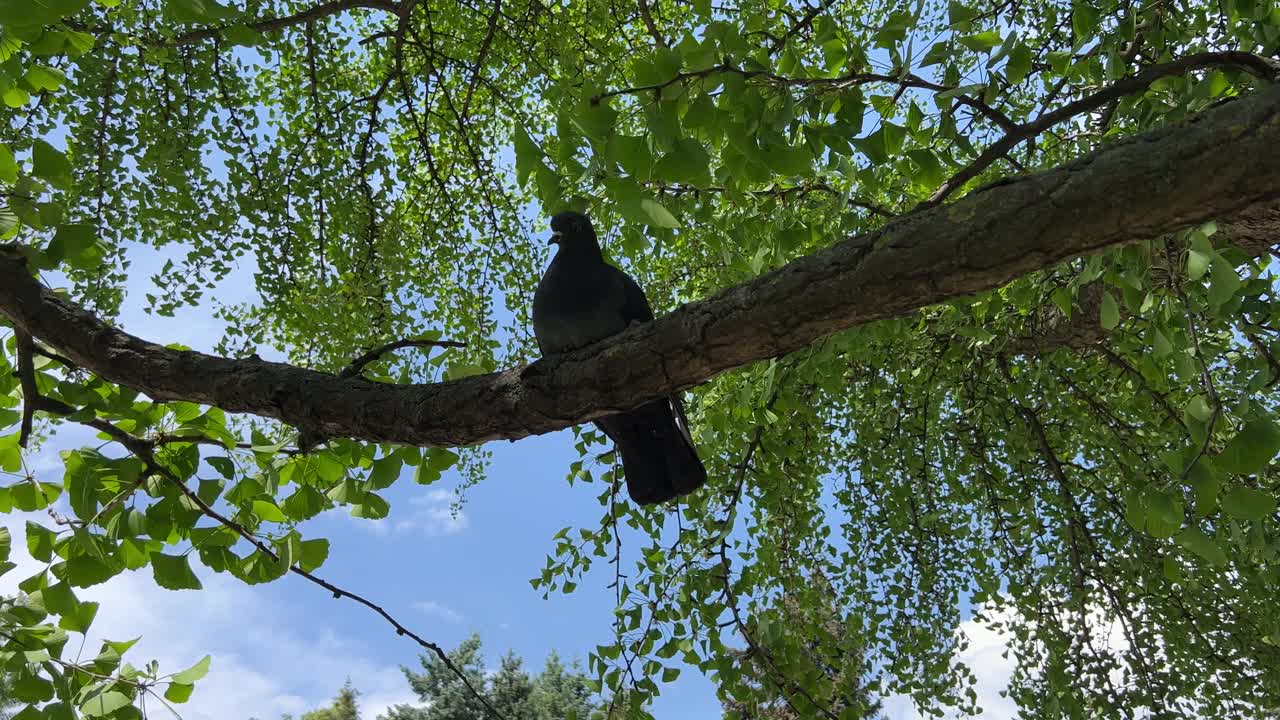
27,379
1263,67
358,364
1213,166
300,18
144,450
650,25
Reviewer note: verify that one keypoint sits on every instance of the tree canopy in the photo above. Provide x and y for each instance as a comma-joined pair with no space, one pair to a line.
974,300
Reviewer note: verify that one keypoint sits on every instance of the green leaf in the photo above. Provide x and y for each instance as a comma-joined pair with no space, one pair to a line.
88,570
1223,283
244,35
172,572
457,372
178,692
8,165
688,163
193,673
1084,22
1198,263
632,153
982,41
659,215
43,77
1164,514
79,618
1252,449
1110,315
440,459
31,688
386,470
196,11
303,504
59,599
1205,483
104,703
14,96
372,507
225,467
26,13
528,155
50,164
268,511
40,542
1019,64
313,554
6,543
931,173
79,43
425,474
1194,539
958,14
76,244
1246,503
1198,408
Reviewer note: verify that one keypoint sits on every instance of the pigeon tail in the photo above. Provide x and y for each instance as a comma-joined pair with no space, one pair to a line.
658,459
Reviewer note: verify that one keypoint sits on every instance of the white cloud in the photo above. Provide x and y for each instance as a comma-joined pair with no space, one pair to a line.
257,669
434,514
441,611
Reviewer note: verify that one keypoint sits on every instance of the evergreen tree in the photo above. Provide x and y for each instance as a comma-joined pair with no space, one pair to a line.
446,696
345,706
557,693
510,689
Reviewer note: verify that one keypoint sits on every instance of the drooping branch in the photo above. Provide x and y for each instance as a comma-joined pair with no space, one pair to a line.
1254,231
1214,166
144,450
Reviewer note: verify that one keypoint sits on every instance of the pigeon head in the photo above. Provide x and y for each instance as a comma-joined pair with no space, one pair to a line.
572,231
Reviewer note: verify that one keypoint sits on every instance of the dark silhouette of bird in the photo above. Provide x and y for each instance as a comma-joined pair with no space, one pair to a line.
582,299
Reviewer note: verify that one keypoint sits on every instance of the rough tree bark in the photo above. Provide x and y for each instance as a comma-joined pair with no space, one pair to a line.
1223,165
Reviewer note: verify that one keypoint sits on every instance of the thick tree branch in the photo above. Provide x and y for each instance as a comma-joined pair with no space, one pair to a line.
27,379
1213,166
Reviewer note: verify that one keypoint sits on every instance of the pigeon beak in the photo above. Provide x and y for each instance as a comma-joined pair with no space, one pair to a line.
555,238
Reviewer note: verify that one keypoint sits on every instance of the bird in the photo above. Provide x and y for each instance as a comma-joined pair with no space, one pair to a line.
581,299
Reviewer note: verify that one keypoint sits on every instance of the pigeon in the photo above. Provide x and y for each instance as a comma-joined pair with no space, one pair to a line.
582,299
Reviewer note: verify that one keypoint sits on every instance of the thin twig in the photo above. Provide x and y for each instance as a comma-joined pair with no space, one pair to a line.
804,23
144,451
1263,67
358,364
